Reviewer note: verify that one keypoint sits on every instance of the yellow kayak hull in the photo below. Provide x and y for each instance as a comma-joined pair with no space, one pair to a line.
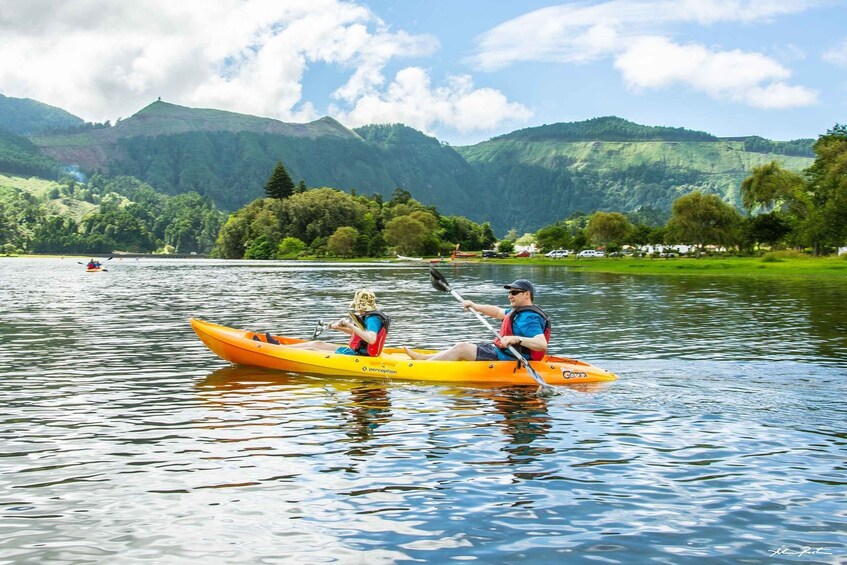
239,347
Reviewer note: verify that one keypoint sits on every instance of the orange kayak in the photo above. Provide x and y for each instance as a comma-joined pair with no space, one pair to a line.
244,347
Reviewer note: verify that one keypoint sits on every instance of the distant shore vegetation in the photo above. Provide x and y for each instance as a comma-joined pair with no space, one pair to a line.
782,210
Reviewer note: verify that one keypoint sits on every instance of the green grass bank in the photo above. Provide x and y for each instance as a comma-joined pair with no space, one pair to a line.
772,265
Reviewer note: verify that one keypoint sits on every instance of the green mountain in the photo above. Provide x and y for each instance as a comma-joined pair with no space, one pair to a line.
524,180
540,175
229,156
609,128
23,116
20,156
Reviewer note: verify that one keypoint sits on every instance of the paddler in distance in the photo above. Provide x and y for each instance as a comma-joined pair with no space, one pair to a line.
524,326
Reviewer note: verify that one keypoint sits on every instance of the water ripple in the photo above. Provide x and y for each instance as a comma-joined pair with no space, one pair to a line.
123,439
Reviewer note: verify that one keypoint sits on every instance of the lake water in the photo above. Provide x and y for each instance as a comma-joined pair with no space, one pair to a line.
124,440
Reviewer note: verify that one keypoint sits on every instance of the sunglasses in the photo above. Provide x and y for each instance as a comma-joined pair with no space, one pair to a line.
516,292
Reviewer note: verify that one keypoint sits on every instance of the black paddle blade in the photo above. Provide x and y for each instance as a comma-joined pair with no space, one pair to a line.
438,281
319,328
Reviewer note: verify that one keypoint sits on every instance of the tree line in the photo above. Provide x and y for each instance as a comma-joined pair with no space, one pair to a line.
293,221
123,214
784,209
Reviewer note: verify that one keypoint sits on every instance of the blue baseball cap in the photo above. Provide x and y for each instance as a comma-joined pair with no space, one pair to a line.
521,284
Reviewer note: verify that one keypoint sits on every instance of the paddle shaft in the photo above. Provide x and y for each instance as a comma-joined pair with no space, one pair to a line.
532,372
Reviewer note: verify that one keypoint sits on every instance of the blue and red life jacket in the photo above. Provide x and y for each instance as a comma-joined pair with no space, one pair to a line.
362,347
506,329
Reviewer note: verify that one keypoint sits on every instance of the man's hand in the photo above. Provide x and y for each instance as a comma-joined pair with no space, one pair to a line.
508,340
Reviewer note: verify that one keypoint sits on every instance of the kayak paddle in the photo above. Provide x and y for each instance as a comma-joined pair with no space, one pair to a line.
441,284
319,328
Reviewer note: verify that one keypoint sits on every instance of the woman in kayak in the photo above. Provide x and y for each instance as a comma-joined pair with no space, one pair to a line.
367,327
524,326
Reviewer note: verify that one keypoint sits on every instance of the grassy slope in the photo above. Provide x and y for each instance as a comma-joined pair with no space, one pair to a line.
711,157
75,209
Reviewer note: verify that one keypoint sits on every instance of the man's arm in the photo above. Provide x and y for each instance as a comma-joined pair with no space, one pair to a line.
487,309
536,343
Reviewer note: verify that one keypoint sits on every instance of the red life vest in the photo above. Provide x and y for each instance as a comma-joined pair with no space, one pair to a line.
362,347
506,329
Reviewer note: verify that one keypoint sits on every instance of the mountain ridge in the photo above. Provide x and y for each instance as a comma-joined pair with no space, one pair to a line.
24,116
524,180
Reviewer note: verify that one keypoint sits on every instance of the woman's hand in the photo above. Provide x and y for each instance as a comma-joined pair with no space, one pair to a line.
344,325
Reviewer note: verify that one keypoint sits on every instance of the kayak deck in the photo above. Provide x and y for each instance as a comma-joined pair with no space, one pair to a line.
240,347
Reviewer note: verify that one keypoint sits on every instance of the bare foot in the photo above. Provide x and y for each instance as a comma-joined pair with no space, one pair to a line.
415,354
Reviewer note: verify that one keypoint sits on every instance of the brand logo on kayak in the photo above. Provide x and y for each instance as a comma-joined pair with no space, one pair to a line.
379,370
573,374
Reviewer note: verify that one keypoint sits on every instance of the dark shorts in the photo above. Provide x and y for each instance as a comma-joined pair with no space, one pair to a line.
490,352
486,352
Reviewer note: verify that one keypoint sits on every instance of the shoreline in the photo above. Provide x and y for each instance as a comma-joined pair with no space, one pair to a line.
768,266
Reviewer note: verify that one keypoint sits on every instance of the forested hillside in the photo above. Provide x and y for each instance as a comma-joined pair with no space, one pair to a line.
609,128
537,177
228,156
102,215
23,116
523,180
19,156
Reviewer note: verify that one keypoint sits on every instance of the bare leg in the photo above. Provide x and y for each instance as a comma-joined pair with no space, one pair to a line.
462,351
314,346
416,355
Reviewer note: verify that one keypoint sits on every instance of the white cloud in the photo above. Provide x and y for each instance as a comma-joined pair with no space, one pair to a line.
102,59
585,32
634,33
780,95
749,78
837,55
411,99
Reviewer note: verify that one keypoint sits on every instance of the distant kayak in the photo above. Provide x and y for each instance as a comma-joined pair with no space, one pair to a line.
94,269
244,347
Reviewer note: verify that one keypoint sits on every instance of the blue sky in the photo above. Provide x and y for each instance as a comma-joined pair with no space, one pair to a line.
460,70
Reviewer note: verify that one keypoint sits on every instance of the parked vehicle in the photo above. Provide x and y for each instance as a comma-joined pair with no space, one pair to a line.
557,253
591,253
491,254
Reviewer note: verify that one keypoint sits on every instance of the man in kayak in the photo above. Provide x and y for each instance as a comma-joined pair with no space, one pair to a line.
93,264
524,326
367,327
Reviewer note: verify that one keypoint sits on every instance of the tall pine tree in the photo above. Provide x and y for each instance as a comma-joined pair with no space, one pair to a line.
280,184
